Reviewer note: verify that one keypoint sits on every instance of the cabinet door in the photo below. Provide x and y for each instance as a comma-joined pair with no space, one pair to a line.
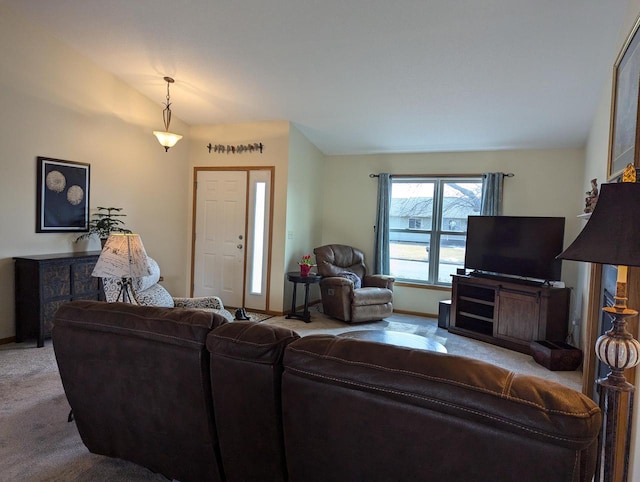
85,286
56,280
518,315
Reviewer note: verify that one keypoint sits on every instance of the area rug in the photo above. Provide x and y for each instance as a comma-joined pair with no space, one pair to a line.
256,316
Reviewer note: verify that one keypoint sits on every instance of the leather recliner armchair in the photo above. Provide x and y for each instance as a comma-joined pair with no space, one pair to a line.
348,292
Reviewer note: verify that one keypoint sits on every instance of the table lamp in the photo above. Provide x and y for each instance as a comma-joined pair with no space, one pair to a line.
124,257
612,236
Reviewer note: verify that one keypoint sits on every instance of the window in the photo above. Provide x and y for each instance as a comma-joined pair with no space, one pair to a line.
428,226
257,254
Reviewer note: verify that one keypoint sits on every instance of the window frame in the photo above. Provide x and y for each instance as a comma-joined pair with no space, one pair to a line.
436,232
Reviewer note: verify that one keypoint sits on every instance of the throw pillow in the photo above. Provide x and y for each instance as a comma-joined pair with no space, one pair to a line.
146,282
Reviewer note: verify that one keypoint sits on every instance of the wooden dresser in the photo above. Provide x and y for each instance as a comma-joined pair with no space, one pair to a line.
44,282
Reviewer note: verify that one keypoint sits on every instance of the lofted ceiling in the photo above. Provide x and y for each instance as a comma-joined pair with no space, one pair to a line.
360,76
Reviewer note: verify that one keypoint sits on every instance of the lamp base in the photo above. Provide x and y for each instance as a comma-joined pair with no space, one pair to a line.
619,351
616,403
127,292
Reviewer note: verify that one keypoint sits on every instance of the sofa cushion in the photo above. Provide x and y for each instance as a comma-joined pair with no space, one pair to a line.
435,416
246,370
137,380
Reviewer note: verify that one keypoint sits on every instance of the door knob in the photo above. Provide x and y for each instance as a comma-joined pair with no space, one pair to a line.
239,246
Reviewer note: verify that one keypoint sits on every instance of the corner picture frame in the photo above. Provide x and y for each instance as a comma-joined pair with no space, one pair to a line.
62,196
623,145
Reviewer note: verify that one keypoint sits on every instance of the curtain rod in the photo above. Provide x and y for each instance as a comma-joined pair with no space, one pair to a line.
508,174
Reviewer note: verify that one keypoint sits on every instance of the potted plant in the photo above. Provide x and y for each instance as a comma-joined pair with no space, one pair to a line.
305,265
103,223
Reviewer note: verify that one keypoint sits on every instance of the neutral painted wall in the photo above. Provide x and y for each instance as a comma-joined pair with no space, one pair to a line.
275,137
546,183
56,103
305,197
297,192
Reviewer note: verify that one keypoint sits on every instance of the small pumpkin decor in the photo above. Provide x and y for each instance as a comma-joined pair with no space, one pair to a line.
305,265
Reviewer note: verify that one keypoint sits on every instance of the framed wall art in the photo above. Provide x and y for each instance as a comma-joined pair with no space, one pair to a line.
623,146
63,196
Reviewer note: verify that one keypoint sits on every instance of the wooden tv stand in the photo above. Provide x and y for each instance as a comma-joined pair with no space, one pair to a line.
508,313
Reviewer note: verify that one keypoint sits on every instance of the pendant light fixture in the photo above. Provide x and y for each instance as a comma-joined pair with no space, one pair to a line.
166,138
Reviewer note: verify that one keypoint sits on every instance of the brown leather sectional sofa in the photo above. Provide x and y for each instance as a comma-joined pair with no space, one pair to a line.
195,398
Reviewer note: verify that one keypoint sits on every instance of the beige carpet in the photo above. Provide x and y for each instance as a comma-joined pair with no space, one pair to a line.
455,344
37,443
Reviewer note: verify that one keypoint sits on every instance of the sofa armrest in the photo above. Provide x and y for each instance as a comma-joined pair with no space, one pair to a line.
378,281
212,302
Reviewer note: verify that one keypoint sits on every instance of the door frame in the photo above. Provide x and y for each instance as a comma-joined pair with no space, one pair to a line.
246,169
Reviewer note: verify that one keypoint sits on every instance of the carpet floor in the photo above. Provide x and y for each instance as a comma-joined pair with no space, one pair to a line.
37,443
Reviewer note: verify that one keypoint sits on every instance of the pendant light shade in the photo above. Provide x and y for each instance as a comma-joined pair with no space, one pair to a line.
165,138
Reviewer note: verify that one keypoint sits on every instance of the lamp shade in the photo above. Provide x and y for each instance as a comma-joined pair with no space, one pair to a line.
123,256
167,139
612,234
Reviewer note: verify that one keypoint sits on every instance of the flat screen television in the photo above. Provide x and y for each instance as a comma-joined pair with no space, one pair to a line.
521,246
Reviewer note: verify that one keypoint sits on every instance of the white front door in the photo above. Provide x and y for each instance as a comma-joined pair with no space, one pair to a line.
220,237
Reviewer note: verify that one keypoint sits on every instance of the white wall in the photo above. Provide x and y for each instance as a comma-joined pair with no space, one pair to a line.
55,103
546,183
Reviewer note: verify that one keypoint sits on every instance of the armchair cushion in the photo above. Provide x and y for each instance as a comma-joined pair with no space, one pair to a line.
371,296
211,302
379,281
156,295
333,259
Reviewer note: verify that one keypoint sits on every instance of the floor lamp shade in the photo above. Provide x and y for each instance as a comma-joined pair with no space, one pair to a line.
612,234
123,256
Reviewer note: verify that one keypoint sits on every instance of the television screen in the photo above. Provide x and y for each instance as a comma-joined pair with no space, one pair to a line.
523,246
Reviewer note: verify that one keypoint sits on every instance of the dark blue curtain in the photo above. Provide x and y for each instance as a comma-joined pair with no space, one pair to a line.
491,204
381,245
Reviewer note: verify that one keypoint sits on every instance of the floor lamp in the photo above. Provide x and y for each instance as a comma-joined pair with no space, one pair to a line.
612,236
124,257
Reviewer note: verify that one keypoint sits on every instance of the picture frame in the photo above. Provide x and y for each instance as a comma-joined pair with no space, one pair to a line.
623,145
62,196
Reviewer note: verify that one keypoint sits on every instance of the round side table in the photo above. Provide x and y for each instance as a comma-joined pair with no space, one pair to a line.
295,277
